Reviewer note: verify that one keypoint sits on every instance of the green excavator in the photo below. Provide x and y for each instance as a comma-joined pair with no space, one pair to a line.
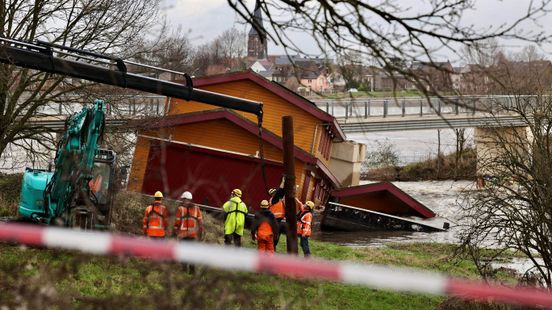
78,192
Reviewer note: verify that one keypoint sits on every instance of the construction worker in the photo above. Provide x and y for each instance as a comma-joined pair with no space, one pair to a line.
156,218
264,229
235,211
278,208
304,223
188,222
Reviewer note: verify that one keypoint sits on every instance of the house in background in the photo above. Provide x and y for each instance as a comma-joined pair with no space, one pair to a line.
210,151
435,75
263,67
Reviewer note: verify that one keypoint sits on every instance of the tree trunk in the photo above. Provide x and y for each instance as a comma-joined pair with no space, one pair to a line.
438,153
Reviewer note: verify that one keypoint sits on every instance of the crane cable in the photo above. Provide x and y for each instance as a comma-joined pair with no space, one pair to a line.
261,152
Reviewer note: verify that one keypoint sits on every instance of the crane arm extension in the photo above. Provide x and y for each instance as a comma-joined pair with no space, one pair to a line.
41,58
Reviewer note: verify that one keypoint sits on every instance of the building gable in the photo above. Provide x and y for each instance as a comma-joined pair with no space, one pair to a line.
267,92
274,108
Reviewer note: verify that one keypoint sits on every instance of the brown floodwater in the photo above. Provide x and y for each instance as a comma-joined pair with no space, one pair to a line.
443,197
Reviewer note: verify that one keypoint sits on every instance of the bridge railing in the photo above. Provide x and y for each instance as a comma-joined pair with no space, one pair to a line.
410,106
135,106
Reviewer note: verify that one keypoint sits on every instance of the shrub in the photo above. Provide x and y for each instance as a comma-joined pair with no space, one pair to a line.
10,188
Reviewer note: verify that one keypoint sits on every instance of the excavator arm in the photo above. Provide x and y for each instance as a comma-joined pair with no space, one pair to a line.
47,196
74,159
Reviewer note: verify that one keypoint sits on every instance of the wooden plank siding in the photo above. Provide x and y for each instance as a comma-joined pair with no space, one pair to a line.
218,134
139,164
274,108
323,146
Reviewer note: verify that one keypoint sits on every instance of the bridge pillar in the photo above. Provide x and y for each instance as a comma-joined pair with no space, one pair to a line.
491,144
346,162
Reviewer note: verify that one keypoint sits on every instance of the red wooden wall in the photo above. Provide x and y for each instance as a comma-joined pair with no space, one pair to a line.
210,175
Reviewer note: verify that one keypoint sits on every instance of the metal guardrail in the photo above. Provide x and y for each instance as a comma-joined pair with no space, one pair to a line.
127,105
416,123
419,106
59,124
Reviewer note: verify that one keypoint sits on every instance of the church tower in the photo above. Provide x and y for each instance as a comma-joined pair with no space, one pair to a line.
256,42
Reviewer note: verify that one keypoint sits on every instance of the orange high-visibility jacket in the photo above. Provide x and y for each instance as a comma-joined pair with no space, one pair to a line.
156,220
264,226
279,209
188,221
304,223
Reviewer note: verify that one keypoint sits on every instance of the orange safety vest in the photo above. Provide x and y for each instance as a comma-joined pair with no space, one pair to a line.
188,222
155,220
304,223
279,209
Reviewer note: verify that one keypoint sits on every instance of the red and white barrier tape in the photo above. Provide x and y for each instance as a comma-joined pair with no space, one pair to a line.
234,259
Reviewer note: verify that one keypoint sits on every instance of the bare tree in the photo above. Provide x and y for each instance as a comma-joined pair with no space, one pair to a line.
103,26
460,148
483,53
513,211
170,50
384,31
530,53
232,44
225,53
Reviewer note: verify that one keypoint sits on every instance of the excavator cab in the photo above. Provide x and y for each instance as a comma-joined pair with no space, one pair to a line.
93,207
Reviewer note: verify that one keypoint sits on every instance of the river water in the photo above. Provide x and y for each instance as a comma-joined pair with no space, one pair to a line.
413,146
443,197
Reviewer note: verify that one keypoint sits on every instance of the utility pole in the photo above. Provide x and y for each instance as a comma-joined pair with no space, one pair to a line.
289,183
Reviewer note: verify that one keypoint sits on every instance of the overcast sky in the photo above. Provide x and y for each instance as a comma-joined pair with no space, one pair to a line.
205,19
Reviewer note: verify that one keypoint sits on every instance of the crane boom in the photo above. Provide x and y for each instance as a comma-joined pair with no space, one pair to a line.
79,190
40,56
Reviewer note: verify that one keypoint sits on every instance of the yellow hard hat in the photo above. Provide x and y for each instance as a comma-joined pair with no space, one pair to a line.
237,192
158,194
310,204
264,204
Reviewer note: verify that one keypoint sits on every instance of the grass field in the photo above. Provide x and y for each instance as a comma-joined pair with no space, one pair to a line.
36,278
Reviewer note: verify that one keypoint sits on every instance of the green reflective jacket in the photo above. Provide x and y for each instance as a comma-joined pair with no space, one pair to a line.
235,211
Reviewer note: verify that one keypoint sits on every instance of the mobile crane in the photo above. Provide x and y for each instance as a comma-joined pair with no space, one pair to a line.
79,190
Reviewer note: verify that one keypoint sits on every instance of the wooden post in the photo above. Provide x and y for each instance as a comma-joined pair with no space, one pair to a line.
289,183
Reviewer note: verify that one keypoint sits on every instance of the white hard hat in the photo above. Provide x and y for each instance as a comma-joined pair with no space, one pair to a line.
186,195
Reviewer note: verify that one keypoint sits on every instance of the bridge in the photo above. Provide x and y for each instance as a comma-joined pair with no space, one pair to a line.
354,115
128,111
418,113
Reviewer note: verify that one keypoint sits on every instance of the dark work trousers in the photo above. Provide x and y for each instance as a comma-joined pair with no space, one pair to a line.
189,268
305,246
236,237
282,230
